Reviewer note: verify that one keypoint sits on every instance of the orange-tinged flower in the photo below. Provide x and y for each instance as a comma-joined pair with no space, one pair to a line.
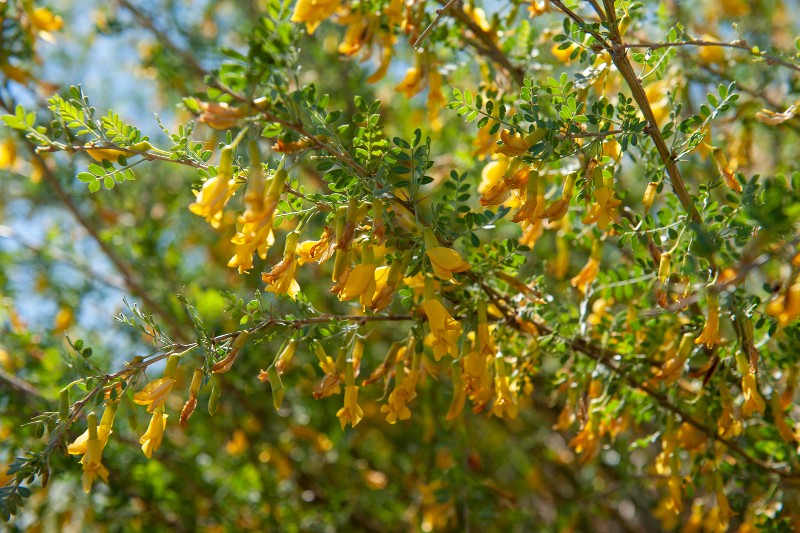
753,402
356,33
383,67
690,438
444,328
412,83
710,334
154,394
587,275
446,261
319,251
586,441
505,403
219,115
313,12
725,170
459,393
786,307
351,413
151,440
513,144
281,278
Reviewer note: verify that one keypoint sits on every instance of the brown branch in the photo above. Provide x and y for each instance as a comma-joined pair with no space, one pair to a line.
20,385
439,14
162,37
489,47
127,273
623,64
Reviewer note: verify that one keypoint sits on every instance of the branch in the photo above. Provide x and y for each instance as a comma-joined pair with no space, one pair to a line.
20,385
740,44
439,14
131,281
489,47
623,64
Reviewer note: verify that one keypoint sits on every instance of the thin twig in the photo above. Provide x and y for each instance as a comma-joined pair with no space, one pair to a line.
440,13
739,45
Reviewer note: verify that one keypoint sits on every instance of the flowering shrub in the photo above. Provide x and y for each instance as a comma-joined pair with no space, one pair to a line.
566,295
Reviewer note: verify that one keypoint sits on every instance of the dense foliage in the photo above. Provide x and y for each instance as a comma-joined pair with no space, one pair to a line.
387,265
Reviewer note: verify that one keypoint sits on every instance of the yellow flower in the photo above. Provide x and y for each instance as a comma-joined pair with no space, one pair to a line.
255,235
356,34
216,191
587,275
44,20
446,261
396,408
411,84
710,333
154,394
360,284
444,328
786,307
725,170
753,402
478,16
436,100
711,54
313,12
492,174
586,441
459,394
212,199
513,145
91,445
351,413
319,251
101,154
151,440
728,425
281,278
604,210
656,93
505,403
384,288
563,55
383,67
92,467
78,446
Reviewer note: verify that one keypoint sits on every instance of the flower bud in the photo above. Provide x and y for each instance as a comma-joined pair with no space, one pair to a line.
213,400
649,195
664,267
